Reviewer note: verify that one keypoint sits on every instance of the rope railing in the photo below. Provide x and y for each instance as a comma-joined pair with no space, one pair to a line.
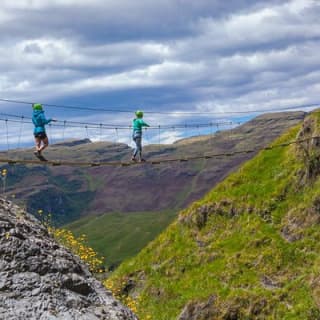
92,125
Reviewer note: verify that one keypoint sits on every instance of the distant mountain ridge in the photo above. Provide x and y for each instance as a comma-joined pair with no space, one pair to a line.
72,142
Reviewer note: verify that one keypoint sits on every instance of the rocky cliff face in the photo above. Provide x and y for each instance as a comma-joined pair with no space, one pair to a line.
39,279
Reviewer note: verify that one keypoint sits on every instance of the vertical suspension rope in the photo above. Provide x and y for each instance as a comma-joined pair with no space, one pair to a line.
20,131
100,132
64,128
63,135
130,135
7,134
231,132
174,130
146,136
117,135
50,133
211,134
159,137
87,132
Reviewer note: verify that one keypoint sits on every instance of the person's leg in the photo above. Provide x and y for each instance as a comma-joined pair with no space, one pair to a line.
45,143
135,151
139,147
37,143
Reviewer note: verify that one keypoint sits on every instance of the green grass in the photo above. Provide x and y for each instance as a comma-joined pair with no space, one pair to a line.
118,236
235,252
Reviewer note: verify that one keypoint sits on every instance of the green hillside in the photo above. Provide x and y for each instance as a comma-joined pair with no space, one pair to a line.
118,236
248,250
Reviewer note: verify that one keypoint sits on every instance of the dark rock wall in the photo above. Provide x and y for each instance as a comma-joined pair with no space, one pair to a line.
39,279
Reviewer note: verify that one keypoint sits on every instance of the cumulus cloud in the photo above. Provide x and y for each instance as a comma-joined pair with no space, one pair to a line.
172,55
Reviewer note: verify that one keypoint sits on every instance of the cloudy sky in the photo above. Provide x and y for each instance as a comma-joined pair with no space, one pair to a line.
170,58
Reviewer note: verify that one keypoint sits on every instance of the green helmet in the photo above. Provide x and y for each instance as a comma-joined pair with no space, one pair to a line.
139,113
37,106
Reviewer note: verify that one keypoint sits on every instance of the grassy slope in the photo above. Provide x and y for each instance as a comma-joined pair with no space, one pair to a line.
239,256
119,236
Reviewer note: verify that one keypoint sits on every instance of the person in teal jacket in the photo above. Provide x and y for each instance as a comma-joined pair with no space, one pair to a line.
138,123
39,120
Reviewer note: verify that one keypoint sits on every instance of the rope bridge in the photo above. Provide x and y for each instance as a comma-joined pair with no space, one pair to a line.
155,161
62,125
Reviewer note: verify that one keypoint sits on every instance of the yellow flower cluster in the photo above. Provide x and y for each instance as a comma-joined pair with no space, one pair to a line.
116,291
78,246
132,304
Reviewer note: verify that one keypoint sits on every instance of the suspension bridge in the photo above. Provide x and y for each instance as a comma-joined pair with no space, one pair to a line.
23,124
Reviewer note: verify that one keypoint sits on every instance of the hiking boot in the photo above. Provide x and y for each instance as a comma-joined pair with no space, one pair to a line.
37,153
133,159
142,160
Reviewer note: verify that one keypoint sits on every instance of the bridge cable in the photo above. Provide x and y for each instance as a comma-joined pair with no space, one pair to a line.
102,109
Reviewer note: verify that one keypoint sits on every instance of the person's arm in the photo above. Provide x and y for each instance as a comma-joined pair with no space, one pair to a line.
144,124
44,120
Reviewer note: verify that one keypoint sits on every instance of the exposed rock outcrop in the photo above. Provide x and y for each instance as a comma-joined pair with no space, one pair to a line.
309,148
39,279
199,310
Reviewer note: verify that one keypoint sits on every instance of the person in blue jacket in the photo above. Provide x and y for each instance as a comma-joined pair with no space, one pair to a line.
39,120
138,123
